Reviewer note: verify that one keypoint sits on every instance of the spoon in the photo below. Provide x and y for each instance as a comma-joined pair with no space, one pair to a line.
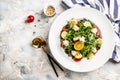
39,42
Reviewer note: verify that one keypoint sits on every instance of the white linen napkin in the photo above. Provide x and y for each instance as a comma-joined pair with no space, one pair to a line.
110,9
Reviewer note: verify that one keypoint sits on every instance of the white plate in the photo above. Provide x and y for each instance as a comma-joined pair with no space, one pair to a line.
101,56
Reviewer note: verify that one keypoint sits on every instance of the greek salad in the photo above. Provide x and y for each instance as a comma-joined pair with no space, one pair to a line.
80,38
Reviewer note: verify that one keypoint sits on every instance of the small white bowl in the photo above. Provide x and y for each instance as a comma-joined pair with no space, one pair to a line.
49,10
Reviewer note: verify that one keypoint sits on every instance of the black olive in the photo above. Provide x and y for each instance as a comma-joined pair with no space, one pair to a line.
98,46
66,51
67,26
81,20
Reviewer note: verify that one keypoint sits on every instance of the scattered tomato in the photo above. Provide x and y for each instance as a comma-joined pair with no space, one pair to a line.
30,18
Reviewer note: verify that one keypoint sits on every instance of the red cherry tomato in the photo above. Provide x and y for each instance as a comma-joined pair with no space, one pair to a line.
100,36
72,18
64,29
96,28
77,59
94,52
62,44
30,18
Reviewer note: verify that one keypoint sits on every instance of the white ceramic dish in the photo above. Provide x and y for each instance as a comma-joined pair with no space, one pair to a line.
101,57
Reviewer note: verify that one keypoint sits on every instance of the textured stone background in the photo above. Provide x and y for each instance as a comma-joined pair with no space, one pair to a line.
19,60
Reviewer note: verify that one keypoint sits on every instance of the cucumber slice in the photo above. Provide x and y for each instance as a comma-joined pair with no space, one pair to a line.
64,34
90,55
86,24
78,55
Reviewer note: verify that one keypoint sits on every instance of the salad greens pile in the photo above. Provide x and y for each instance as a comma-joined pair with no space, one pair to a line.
80,39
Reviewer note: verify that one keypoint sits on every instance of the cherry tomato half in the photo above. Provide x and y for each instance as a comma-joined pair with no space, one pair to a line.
30,18
95,52
96,28
77,59
64,29
62,44
100,36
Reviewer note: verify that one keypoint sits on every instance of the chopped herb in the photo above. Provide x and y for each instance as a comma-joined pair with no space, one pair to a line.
34,32
38,20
